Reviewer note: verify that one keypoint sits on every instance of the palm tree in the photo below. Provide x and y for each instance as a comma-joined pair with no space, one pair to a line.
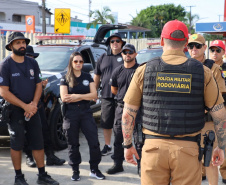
190,21
101,17
160,17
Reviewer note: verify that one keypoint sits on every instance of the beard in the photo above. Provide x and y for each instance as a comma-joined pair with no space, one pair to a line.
19,52
128,60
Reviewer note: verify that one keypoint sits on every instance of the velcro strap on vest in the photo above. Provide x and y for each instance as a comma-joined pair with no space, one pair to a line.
187,138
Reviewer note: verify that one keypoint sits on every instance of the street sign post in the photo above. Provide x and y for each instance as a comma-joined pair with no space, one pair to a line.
62,20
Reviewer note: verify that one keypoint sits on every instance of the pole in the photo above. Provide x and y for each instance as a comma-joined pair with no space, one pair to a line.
43,17
89,9
190,26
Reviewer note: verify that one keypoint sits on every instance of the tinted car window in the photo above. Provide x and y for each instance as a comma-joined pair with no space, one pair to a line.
147,54
53,58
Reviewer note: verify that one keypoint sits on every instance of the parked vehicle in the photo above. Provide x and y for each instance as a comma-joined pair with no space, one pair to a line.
153,50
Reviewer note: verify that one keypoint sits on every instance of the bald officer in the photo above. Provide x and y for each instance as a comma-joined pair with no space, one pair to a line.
170,90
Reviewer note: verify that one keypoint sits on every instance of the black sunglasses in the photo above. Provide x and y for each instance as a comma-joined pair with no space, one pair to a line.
78,61
197,45
127,52
117,40
218,50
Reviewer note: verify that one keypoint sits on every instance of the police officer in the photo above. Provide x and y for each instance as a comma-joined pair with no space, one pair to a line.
171,90
76,89
51,159
196,48
21,86
103,71
121,78
216,52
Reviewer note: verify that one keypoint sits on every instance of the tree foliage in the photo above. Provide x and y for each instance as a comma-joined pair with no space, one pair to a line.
101,17
157,16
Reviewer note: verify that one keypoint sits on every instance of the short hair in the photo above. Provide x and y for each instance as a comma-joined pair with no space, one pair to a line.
176,44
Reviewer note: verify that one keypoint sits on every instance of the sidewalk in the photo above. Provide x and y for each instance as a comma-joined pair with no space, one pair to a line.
63,173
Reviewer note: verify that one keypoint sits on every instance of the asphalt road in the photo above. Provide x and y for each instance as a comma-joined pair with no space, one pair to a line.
63,173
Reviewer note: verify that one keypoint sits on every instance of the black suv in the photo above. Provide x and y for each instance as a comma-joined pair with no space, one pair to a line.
53,61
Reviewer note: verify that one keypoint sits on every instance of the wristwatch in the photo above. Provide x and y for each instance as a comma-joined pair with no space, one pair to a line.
127,146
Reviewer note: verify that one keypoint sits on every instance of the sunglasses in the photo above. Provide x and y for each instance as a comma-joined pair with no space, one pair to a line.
78,61
117,40
197,45
127,52
217,50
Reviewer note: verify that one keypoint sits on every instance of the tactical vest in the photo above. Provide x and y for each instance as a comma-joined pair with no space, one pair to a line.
209,63
173,97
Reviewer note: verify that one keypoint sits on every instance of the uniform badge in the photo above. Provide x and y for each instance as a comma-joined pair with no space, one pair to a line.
85,82
223,74
32,72
1,79
119,59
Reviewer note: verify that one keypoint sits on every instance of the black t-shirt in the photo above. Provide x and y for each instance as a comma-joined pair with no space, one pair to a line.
105,66
21,78
82,86
121,78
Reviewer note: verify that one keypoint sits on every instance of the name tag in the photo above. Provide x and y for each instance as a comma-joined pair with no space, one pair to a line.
173,82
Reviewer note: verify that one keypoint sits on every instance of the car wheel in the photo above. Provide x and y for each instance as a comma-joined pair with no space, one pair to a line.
57,135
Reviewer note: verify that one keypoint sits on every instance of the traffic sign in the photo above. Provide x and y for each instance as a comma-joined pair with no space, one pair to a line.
62,20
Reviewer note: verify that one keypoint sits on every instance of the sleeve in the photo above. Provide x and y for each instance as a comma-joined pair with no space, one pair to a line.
37,73
212,95
135,91
63,81
90,78
97,70
114,78
4,75
218,74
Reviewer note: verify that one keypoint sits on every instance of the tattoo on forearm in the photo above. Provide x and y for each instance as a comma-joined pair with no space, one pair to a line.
217,107
131,110
128,122
219,119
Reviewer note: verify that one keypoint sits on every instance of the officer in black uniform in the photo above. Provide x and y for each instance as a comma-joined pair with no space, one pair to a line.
21,86
105,65
121,78
51,159
76,89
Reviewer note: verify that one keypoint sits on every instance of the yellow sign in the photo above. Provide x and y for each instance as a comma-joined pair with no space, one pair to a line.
173,82
62,20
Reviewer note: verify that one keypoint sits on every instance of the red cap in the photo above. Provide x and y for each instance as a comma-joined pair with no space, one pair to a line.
217,43
172,26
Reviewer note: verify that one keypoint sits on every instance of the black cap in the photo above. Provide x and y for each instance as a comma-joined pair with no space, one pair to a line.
129,47
107,43
16,36
30,51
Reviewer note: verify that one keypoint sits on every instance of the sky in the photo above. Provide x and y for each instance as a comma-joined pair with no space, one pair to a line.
208,10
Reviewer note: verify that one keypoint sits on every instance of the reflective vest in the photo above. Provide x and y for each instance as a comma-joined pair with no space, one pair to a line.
173,97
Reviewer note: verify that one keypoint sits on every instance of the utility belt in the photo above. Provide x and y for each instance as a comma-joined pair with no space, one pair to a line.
76,106
187,138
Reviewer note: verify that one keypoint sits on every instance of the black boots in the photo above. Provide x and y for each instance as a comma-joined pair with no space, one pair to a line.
54,160
116,168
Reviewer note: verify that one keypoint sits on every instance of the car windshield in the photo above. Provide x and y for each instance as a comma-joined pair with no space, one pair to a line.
147,54
53,58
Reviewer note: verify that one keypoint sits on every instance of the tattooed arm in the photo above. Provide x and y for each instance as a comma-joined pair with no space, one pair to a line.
218,114
128,121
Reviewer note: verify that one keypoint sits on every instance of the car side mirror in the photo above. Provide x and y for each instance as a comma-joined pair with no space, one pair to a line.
87,67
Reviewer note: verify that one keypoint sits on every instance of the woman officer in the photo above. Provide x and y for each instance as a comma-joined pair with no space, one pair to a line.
76,89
